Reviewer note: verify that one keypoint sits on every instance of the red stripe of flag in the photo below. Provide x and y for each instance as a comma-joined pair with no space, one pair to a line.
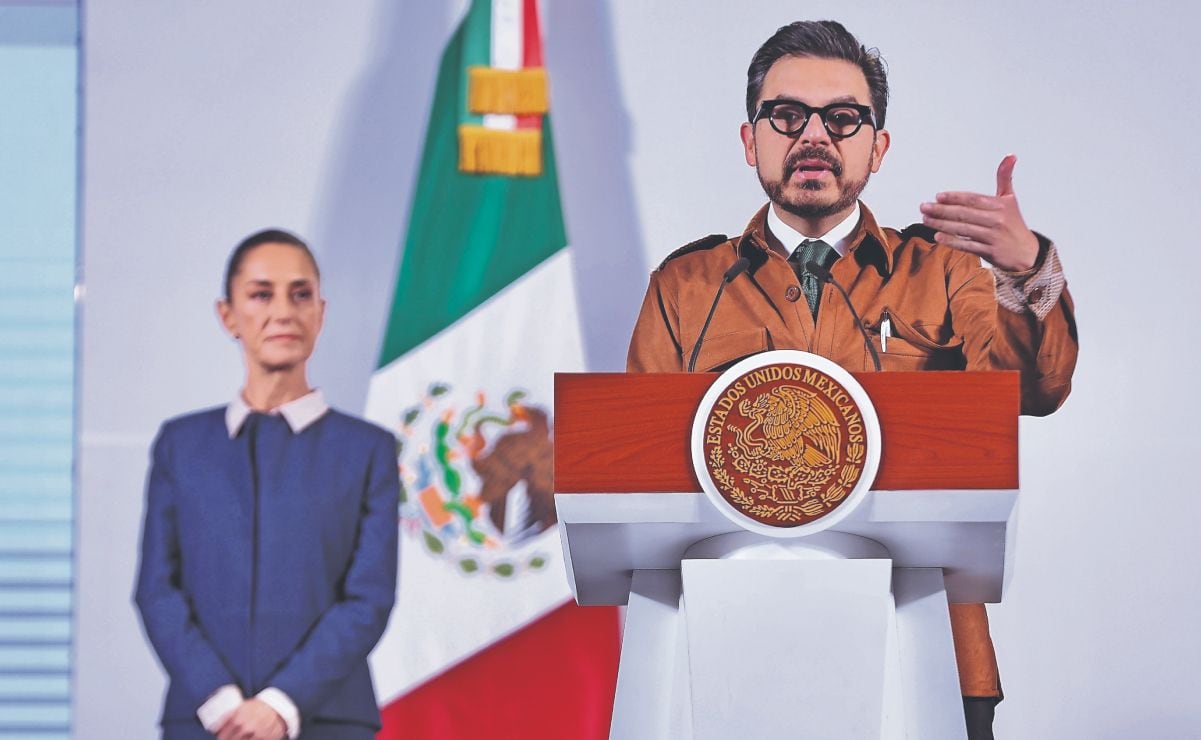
552,680
531,36
531,52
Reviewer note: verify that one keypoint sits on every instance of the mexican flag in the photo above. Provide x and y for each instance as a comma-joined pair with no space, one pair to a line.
484,641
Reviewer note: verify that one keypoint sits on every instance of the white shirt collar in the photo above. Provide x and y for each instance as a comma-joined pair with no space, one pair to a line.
300,413
838,237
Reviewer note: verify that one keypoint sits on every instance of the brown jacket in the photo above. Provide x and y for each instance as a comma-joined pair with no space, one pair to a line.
945,315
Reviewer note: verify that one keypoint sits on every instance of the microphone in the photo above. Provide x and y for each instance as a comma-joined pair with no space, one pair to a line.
823,275
735,270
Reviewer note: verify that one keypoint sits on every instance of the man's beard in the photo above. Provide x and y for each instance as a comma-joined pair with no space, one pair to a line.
848,191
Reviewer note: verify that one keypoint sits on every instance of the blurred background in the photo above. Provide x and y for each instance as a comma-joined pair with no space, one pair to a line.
140,141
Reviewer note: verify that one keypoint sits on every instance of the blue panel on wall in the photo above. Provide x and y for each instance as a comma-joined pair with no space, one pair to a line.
38,202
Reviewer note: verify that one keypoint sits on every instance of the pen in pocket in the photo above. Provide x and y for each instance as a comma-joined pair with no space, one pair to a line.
885,330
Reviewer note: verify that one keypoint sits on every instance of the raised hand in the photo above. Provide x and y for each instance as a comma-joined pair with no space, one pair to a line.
988,225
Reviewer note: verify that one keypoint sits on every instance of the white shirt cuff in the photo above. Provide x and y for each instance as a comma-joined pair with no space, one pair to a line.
218,706
284,707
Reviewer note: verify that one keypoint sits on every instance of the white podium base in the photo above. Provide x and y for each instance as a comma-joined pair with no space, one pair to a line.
762,639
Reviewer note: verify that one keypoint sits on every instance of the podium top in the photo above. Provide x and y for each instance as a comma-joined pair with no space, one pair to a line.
629,432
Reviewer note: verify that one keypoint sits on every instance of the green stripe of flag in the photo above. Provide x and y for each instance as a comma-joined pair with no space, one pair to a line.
469,236
477,52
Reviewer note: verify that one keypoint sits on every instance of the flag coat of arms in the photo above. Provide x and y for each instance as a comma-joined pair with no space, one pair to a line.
483,641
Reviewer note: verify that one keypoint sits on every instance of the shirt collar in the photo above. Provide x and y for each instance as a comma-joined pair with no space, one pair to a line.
838,237
299,413
867,232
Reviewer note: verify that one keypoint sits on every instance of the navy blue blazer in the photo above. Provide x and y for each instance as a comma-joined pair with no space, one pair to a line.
288,583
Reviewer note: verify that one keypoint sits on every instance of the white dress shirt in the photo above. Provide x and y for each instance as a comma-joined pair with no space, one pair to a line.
300,413
838,237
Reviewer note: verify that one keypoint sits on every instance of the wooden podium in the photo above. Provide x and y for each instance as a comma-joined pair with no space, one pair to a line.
840,635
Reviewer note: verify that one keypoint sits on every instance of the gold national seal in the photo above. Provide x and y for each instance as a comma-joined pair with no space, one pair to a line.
785,444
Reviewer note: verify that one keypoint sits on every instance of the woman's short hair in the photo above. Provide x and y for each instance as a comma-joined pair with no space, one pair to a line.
258,239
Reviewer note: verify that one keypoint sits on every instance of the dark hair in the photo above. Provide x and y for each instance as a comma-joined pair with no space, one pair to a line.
258,239
824,40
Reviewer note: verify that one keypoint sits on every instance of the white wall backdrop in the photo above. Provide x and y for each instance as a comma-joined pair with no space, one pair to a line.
206,121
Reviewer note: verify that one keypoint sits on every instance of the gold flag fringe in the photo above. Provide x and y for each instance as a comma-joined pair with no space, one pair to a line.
487,151
507,91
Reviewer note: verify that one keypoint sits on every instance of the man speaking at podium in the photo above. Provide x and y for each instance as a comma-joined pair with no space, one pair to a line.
816,102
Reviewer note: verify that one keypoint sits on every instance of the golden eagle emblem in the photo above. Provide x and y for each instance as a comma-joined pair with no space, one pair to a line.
795,426
784,444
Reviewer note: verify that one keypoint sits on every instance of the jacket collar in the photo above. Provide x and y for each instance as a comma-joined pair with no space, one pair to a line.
867,244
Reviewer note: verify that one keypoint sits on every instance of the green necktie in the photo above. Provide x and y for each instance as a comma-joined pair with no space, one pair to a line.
814,250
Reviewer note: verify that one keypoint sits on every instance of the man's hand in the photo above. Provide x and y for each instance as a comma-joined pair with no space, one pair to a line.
990,226
252,720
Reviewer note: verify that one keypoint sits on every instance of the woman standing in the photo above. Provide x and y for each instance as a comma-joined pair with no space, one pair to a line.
269,548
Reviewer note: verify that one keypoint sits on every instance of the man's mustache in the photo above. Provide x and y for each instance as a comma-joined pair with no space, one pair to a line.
792,164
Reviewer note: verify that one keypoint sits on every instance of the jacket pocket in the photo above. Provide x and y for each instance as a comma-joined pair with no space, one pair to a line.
917,345
719,352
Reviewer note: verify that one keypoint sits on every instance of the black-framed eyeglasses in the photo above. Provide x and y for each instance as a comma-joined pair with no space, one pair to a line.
789,117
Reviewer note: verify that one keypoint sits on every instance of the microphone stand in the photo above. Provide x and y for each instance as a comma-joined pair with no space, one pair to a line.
824,276
735,270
